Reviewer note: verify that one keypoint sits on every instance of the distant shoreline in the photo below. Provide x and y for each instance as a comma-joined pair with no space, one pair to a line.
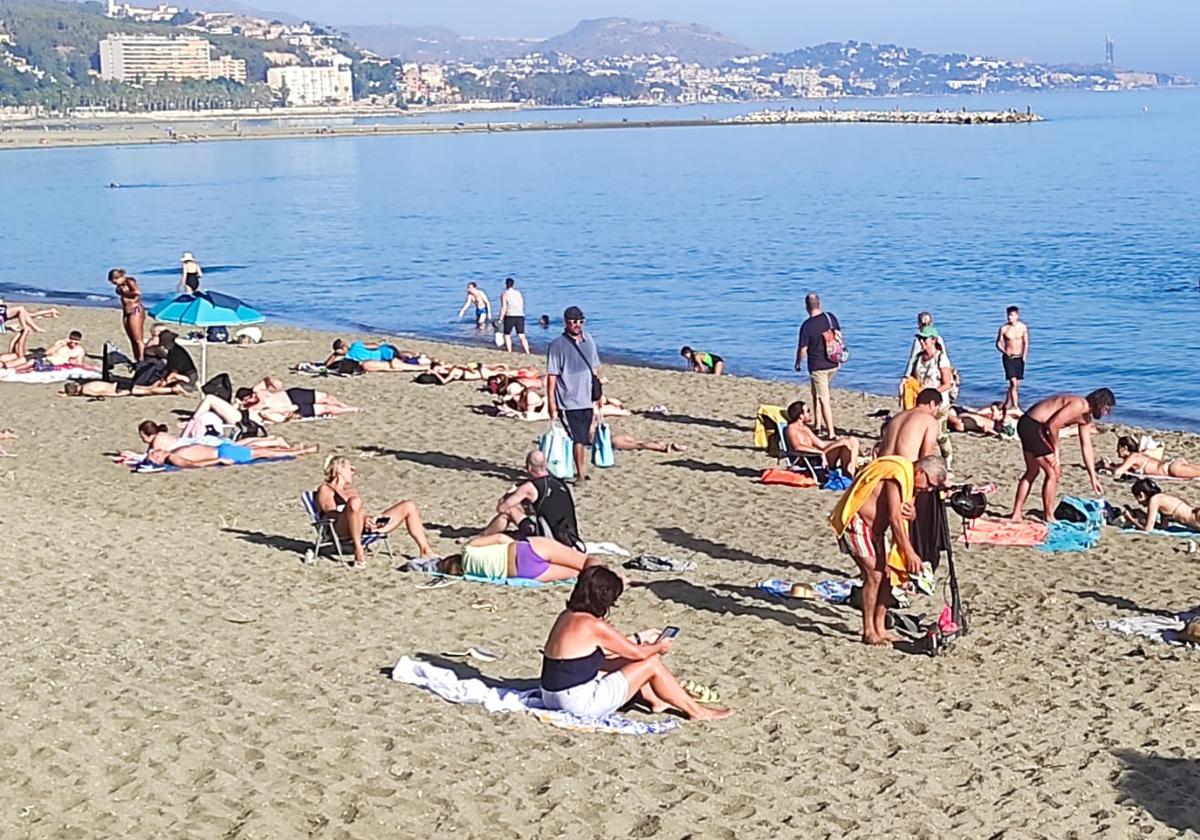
140,133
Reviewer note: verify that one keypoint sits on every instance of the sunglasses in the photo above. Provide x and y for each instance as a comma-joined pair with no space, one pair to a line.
575,320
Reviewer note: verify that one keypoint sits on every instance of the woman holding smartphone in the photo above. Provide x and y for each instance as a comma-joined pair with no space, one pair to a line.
338,500
591,670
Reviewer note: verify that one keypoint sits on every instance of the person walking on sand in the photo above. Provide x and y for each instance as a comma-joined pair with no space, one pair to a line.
512,315
1038,430
1012,341
573,388
815,336
478,298
133,314
189,279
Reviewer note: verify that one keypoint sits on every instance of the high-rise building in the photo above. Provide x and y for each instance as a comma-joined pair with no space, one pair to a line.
327,85
1109,52
152,58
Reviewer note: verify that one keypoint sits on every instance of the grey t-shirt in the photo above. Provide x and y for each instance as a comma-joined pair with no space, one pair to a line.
574,388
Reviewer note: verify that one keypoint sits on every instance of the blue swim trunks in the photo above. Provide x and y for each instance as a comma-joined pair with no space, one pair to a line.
386,352
233,452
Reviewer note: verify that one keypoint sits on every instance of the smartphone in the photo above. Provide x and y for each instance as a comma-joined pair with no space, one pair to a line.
380,521
668,633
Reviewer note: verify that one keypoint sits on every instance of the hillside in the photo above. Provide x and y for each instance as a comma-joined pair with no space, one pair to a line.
603,37
434,43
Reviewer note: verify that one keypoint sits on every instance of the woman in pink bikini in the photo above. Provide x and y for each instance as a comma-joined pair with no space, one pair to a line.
133,314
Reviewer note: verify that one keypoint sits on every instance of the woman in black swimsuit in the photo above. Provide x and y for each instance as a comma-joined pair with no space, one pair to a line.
133,314
190,279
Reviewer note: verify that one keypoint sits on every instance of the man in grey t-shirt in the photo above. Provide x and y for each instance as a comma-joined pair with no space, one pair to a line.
571,363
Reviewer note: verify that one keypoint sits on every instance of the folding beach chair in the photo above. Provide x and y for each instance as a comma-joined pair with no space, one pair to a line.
809,463
326,534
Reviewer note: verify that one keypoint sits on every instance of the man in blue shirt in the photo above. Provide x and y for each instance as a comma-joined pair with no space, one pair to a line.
572,385
820,368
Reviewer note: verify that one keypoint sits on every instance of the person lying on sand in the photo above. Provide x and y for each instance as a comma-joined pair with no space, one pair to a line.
198,455
871,523
629,443
276,404
1161,509
66,352
1140,463
373,357
17,318
157,436
337,500
526,403
589,669
799,436
985,421
544,498
442,374
499,556
119,387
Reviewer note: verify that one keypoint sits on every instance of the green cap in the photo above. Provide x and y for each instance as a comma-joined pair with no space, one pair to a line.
928,332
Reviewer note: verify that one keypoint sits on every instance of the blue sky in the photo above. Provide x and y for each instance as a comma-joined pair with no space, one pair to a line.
1151,34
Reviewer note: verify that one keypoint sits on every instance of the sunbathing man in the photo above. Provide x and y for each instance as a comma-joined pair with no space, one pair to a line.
338,500
499,557
800,437
120,387
871,522
198,455
1140,463
66,352
1039,429
543,497
913,434
1159,505
277,405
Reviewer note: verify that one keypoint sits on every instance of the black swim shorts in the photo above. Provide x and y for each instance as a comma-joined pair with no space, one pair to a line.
1030,433
514,322
579,424
305,400
1014,367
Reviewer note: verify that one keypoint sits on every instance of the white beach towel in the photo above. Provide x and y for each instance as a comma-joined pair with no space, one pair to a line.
446,684
1157,628
41,377
609,548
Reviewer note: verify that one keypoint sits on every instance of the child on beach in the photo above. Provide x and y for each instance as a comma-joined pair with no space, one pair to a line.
1013,343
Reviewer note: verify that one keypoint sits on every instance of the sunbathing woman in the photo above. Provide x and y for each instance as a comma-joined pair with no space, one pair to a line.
198,455
589,669
985,421
1141,463
377,358
156,436
629,443
1159,505
338,500
499,556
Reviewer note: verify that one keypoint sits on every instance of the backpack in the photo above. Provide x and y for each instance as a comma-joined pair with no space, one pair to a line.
560,525
217,335
219,386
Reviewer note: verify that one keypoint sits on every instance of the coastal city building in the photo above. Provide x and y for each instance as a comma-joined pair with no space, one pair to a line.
331,84
162,13
148,58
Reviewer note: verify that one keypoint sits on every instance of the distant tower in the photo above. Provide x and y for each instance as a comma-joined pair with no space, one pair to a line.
1108,52
112,8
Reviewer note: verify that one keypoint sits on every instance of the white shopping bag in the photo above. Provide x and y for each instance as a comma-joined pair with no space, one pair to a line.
556,446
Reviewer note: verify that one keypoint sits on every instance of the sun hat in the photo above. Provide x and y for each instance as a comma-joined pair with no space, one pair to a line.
187,257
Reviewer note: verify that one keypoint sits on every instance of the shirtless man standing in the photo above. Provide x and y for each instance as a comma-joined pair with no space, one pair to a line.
913,434
478,298
1013,343
866,539
1038,430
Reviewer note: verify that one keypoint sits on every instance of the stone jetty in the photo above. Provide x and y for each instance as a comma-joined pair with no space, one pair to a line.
939,117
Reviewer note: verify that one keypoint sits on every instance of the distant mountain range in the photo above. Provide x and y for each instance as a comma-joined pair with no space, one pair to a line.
590,39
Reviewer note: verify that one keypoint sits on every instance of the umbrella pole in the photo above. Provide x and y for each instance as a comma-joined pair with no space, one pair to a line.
204,359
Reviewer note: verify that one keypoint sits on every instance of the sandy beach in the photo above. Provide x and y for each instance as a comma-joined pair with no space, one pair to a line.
172,667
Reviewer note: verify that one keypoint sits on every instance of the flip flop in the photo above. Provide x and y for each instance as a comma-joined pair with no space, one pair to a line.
700,693
483,606
480,653
436,583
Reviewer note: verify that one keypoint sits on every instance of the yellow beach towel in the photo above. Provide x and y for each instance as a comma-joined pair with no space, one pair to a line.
910,386
761,433
865,482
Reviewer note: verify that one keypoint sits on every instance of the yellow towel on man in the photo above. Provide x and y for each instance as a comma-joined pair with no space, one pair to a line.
865,482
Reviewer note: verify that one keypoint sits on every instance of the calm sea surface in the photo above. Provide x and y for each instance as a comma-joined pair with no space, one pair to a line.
707,236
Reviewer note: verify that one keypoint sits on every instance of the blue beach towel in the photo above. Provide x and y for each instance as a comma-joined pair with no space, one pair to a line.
520,583
147,467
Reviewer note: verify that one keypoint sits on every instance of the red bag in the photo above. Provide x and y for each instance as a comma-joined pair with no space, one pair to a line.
795,479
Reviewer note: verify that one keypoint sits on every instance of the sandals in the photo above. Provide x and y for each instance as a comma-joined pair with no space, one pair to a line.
700,693
481,654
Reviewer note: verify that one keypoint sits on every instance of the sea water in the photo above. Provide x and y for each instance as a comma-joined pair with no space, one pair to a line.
707,236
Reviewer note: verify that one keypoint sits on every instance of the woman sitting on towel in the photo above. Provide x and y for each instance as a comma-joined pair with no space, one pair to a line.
589,669
499,556
338,500
1159,505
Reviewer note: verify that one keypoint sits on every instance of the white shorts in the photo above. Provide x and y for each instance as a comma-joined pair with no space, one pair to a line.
602,696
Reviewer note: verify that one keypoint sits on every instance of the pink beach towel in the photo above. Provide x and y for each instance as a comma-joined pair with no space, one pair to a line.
1004,532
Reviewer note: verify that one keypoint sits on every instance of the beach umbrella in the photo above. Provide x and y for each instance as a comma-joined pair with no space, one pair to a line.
203,310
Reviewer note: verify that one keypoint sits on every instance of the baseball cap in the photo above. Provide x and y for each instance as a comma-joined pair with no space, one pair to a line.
928,332
573,313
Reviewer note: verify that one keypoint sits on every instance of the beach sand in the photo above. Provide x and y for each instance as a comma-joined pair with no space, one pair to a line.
172,668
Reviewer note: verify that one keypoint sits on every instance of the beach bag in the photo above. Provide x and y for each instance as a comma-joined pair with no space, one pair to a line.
217,335
219,386
555,444
247,428
602,448
835,344
498,338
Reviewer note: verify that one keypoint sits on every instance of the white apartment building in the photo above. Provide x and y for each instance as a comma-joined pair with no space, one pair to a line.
150,58
328,85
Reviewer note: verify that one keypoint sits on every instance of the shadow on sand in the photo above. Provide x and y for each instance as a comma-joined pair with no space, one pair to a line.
721,551
446,461
1164,787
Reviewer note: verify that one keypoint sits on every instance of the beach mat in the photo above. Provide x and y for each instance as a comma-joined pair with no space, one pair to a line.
42,377
143,468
